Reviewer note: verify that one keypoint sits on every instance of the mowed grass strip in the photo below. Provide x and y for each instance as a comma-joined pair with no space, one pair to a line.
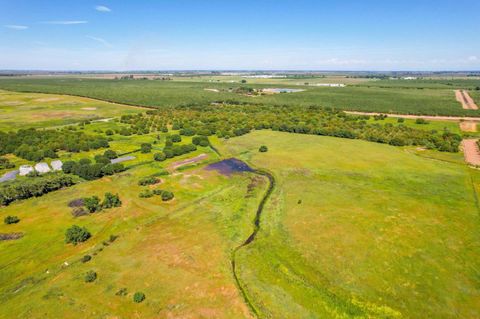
154,93
360,229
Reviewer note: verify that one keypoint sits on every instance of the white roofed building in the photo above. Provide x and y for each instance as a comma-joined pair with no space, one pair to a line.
25,169
42,168
56,165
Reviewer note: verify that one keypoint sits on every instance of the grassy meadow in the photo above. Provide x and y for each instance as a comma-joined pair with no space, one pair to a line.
177,252
19,110
155,93
357,229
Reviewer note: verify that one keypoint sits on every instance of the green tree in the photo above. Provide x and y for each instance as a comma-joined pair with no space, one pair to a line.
11,220
76,234
92,204
138,297
146,148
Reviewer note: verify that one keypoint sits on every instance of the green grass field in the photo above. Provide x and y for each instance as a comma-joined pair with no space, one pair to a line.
19,110
352,228
177,253
432,101
360,229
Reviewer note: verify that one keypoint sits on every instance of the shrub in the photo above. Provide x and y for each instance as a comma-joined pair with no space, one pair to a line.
157,191
109,132
400,120
148,181
146,194
176,138
90,276
102,159
138,297
420,121
111,200
263,149
122,292
160,157
86,258
92,204
11,220
146,148
110,154
76,234
166,196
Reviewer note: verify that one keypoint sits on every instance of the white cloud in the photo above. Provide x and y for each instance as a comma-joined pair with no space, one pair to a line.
16,27
103,9
472,58
101,40
66,22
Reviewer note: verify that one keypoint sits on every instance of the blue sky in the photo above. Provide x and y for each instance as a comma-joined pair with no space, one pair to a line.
228,34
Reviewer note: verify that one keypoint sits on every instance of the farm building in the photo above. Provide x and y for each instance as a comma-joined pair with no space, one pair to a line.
42,167
25,169
56,165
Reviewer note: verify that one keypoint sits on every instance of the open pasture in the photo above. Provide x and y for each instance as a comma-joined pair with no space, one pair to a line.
356,229
18,110
176,252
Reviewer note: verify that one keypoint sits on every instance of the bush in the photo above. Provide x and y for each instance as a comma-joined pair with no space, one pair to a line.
90,276
420,121
110,154
160,157
263,149
138,297
92,204
111,201
11,220
86,258
122,292
176,138
400,120
146,148
76,234
148,181
146,194
109,132
166,196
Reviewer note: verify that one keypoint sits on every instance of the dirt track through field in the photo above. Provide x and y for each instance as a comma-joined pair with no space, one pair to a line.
464,98
187,161
471,151
426,117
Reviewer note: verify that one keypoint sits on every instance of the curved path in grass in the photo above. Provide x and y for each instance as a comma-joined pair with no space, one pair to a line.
251,238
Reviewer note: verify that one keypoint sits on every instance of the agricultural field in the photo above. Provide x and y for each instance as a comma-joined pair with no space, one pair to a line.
310,227
42,110
158,94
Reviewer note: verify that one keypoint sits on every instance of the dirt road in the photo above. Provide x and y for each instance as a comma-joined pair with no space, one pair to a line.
427,117
471,151
464,98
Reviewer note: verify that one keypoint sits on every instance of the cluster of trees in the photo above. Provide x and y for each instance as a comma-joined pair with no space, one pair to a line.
151,180
93,204
76,234
166,195
235,120
5,163
33,187
35,145
90,171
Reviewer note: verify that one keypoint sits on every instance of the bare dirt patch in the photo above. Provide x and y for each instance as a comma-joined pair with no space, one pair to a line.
188,161
468,126
471,151
48,99
464,98
89,108
10,236
212,90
